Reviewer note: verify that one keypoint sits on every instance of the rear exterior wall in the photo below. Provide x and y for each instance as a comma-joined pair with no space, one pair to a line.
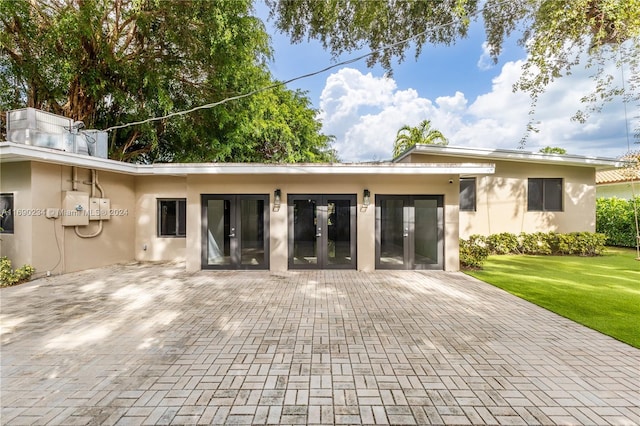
501,198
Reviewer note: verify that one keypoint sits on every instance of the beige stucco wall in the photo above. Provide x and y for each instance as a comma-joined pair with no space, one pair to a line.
501,198
148,246
16,178
114,244
45,243
317,184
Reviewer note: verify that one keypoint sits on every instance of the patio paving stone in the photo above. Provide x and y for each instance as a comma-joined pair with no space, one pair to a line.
147,344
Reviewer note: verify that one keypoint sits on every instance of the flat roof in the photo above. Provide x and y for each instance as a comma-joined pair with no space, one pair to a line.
514,155
13,152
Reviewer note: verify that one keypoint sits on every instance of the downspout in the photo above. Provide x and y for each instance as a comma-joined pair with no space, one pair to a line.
74,178
97,184
94,184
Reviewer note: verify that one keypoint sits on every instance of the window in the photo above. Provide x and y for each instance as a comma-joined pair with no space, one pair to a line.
6,213
468,194
172,217
545,194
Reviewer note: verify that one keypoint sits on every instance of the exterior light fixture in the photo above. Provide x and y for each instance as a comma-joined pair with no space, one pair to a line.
277,197
366,198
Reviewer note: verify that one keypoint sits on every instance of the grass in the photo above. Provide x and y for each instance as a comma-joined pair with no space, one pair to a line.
602,292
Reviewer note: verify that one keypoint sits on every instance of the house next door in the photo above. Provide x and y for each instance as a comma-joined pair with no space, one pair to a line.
409,232
322,231
235,231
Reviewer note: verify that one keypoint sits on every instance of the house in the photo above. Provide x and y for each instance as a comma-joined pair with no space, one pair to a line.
619,183
68,211
528,192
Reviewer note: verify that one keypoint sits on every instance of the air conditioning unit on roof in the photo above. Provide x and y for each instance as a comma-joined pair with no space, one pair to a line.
30,126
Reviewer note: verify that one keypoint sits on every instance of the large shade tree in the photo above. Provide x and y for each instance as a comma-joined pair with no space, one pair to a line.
111,62
410,136
555,34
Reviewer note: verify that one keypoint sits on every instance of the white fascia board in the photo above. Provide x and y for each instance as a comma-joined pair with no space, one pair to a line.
12,152
315,169
515,155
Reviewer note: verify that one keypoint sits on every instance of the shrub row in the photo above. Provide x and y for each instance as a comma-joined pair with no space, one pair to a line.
474,251
10,277
616,219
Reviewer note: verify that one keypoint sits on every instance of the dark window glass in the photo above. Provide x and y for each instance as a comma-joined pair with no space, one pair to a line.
172,218
545,194
553,195
535,195
6,213
468,194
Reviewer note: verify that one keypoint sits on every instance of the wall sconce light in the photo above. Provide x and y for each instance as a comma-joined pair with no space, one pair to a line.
277,198
366,200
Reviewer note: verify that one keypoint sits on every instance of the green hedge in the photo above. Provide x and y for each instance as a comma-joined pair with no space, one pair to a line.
474,251
615,219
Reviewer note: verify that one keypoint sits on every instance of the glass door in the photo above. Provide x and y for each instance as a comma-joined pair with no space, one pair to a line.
235,231
409,232
322,231
392,223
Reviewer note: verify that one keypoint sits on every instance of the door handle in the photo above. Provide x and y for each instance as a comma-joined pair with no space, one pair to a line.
233,233
319,233
406,232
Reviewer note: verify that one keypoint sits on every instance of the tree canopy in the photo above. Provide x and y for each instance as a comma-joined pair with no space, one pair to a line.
552,150
110,62
410,136
555,33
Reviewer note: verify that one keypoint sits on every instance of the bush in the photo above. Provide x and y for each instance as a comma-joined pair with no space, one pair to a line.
473,252
504,243
536,243
10,277
581,243
615,218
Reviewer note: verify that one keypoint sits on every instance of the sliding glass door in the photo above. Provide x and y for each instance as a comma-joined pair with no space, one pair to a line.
322,231
235,231
409,232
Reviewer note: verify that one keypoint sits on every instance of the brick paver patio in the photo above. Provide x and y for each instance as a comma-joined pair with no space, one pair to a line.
143,344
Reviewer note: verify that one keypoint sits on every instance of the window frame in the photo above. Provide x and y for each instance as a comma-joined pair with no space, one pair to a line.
7,215
177,202
475,194
544,188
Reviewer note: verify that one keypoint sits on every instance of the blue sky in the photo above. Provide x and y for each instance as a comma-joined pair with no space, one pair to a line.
457,87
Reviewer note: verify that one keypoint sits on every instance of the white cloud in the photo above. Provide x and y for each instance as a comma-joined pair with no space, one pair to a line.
364,112
485,62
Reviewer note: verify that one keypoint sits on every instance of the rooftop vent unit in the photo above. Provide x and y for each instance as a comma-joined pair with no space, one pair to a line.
30,126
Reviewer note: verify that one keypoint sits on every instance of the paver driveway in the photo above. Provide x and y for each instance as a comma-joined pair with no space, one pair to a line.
142,344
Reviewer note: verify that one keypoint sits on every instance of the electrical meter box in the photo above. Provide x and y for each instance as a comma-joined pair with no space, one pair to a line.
75,208
99,208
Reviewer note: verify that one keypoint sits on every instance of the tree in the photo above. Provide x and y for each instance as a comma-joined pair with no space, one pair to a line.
408,137
111,62
554,33
552,150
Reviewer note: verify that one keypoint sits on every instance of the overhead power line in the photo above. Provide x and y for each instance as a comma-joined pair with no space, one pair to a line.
283,83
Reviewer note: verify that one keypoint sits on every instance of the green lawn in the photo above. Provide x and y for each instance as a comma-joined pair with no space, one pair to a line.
602,292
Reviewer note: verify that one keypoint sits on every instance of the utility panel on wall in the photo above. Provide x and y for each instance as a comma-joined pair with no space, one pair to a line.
99,208
75,208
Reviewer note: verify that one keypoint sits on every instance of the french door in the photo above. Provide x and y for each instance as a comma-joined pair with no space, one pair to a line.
409,232
322,231
235,231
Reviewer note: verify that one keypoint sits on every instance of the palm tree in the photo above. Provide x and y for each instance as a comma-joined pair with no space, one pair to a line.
408,137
